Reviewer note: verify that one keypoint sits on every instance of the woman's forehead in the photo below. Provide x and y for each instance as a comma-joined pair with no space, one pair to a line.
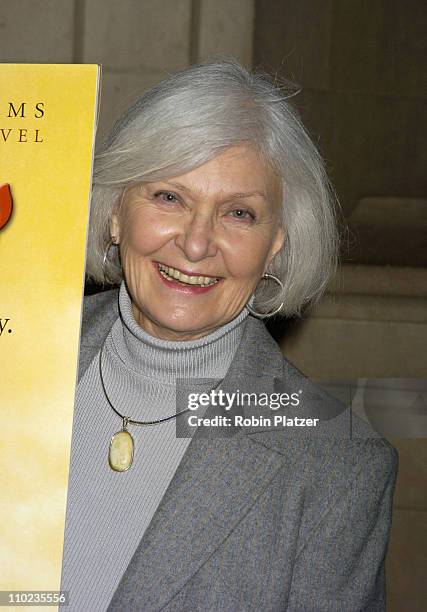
239,169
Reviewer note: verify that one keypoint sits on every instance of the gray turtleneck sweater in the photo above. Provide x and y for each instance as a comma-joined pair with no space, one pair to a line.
108,512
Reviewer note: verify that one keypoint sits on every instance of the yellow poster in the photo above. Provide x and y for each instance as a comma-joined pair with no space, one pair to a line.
47,124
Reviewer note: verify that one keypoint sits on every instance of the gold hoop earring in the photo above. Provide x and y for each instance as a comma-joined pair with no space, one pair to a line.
264,315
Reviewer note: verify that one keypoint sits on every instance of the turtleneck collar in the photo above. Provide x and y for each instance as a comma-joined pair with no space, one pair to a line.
165,360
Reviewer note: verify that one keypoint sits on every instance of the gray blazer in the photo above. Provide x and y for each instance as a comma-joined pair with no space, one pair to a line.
262,518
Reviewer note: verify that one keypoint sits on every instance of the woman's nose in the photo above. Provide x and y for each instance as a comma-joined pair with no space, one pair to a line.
196,238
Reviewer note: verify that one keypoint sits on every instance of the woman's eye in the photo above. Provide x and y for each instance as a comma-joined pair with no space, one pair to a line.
242,213
166,196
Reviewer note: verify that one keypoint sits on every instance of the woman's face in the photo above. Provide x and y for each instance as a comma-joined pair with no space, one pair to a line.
194,247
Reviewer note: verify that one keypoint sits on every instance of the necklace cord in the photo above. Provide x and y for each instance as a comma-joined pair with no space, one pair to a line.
124,418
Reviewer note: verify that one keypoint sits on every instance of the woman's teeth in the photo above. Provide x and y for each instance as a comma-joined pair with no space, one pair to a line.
172,273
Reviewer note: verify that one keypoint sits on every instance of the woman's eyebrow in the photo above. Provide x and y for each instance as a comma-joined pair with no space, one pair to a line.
226,196
250,194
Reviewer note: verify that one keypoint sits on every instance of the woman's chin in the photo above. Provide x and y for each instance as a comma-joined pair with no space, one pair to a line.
179,328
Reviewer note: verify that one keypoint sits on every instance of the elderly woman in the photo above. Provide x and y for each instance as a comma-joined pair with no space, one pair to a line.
211,210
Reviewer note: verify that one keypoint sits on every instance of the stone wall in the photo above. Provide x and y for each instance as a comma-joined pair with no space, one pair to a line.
361,67
138,42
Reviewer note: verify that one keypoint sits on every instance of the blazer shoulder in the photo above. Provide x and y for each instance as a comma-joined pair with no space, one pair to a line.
100,311
341,438
329,459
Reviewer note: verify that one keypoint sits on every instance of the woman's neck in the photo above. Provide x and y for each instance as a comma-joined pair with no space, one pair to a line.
166,360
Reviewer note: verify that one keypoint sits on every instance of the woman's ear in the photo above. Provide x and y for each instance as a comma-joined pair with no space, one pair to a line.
114,221
115,229
278,243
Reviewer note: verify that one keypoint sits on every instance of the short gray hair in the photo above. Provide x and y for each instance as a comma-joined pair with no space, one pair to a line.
187,119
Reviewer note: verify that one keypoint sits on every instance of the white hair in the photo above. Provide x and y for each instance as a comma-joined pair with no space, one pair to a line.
186,120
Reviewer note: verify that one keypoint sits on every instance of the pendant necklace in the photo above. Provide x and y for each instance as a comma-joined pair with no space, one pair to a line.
121,449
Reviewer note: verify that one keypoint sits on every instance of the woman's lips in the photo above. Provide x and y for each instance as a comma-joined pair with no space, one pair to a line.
176,285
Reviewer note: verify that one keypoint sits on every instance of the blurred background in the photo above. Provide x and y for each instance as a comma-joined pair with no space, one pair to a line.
361,70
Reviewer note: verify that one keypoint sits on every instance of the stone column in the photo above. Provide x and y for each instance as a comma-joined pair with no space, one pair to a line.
138,43
222,28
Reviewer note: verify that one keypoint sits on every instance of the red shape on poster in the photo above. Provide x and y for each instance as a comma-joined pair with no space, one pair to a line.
6,205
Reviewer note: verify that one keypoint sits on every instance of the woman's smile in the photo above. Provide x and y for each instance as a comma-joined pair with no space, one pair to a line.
187,282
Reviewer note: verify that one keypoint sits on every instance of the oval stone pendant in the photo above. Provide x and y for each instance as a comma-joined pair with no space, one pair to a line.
120,455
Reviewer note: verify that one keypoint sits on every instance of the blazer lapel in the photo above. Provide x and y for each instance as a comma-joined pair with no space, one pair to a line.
217,481
213,488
